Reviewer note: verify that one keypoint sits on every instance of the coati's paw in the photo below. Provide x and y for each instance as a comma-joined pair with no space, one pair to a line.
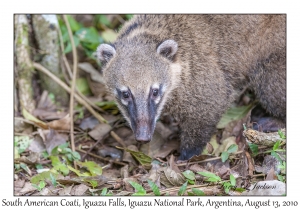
268,124
187,153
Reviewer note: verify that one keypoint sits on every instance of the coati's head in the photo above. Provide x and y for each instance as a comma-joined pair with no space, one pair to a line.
140,73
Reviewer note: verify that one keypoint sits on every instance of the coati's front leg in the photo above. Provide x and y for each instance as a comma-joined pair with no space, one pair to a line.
203,105
194,137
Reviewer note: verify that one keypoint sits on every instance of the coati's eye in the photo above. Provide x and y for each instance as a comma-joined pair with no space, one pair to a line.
125,94
155,92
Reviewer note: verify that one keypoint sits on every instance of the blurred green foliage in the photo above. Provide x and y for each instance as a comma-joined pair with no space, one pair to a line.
102,30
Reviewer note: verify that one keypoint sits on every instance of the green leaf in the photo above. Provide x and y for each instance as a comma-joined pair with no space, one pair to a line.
65,150
182,189
89,35
69,157
42,184
59,166
103,19
283,165
85,174
109,35
143,159
140,190
104,191
189,175
59,149
39,166
45,154
276,145
106,104
21,143
232,180
190,193
25,167
53,180
234,113
281,178
207,174
73,23
274,154
46,175
226,186
281,134
83,86
253,148
17,166
76,155
233,148
92,167
128,16
94,183
238,189
154,187
69,45
39,187
212,177
198,192
224,156
191,181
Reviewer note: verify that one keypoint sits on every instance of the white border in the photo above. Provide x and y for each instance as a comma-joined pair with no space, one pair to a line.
8,8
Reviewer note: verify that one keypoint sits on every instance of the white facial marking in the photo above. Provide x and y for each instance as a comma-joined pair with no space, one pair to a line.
123,88
157,100
124,102
155,86
163,89
115,92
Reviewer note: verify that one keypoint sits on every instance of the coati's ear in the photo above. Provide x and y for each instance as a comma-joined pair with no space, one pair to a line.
105,52
167,48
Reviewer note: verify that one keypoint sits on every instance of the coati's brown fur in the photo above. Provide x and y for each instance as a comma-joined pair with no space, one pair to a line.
198,64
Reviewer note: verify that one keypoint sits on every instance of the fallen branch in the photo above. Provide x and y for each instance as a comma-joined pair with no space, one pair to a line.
207,160
260,138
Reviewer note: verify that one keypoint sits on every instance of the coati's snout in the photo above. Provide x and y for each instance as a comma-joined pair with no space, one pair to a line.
140,109
143,132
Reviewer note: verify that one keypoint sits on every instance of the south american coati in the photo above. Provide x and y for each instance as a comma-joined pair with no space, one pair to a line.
194,66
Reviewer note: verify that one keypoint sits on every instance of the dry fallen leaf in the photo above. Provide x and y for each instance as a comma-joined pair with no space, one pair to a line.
53,139
79,189
61,124
28,188
100,131
66,190
153,146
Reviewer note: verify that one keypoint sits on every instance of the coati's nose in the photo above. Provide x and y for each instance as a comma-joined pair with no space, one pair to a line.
142,134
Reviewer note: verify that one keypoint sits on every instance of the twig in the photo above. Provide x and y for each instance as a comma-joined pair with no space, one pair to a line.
63,85
207,160
67,65
118,139
94,145
101,158
63,54
74,52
